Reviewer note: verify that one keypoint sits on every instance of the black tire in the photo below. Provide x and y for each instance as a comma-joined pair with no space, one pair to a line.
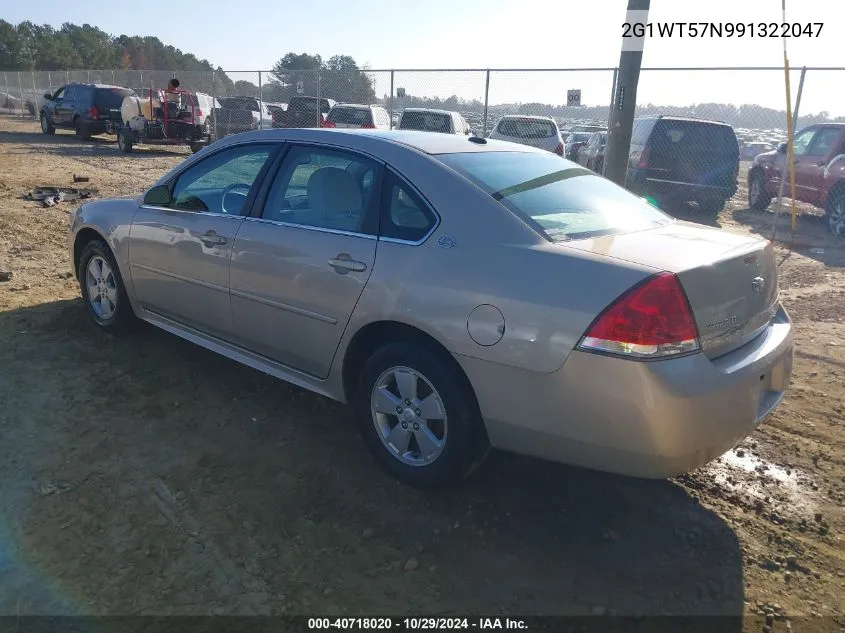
196,147
758,199
466,442
124,141
81,130
122,317
46,126
835,213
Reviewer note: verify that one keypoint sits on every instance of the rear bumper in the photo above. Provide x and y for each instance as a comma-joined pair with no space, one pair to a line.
681,191
647,419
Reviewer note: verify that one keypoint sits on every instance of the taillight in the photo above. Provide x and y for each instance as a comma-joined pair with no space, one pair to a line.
368,126
559,149
327,123
651,320
642,162
198,112
93,112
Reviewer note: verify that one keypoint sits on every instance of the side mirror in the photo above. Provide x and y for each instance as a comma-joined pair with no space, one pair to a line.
48,96
782,148
158,196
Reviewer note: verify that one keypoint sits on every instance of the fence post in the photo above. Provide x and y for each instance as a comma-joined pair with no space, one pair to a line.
89,76
112,78
141,75
319,113
789,168
391,99
35,94
67,76
20,89
213,109
610,109
261,102
486,101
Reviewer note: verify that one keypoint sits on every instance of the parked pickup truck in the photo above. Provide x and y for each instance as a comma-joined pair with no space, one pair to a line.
302,112
241,114
819,152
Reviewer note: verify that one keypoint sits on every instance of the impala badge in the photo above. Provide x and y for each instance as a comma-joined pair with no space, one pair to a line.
758,284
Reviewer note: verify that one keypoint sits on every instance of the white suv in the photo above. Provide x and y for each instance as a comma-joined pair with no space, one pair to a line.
536,131
429,120
353,115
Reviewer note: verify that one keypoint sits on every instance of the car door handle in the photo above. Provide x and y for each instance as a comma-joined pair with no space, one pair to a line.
343,265
212,239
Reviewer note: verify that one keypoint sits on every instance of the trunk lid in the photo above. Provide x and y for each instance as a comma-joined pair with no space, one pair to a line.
730,279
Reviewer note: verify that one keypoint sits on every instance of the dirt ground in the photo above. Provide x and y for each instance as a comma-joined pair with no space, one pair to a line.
144,475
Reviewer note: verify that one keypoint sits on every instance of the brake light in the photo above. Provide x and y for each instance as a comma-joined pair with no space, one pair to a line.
198,112
559,149
327,123
642,162
368,126
93,112
651,320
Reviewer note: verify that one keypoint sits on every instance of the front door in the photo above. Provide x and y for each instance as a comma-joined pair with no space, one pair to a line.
179,252
809,168
300,264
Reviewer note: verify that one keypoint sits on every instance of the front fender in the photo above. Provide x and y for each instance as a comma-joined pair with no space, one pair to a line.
111,221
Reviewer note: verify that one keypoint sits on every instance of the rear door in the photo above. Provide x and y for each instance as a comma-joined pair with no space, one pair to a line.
693,152
179,252
302,260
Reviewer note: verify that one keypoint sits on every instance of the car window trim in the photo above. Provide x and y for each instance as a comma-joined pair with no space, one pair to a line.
257,208
404,182
250,201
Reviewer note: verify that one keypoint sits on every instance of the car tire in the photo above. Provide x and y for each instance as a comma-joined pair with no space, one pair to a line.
835,213
98,273
124,141
449,447
196,147
46,126
81,130
758,199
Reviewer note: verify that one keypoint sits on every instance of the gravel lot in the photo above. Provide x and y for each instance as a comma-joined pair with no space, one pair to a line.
144,475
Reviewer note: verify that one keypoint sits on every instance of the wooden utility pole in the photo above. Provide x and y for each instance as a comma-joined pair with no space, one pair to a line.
625,96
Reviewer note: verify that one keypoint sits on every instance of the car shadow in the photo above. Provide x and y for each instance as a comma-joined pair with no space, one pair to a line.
689,212
178,463
62,144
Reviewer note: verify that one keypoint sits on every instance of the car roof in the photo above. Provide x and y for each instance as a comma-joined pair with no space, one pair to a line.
528,116
357,105
101,86
430,110
369,139
669,117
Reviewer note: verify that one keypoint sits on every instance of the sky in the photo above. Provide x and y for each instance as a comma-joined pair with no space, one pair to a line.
500,34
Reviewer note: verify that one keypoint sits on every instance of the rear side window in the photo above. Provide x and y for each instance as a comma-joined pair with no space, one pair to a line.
527,128
405,216
824,142
560,201
110,98
350,116
695,137
642,128
426,122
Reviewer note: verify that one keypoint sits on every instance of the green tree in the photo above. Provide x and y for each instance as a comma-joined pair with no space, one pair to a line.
340,78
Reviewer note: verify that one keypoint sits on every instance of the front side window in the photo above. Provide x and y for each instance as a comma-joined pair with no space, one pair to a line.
60,94
324,188
801,143
561,203
222,182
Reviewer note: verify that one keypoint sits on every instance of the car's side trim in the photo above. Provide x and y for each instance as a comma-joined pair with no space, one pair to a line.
241,355
151,207
284,306
190,280
319,229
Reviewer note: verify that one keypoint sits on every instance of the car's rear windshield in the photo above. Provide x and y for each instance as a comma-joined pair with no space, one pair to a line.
695,137
559,200
527,128
110,98
351,116
579,137
426,121
239,103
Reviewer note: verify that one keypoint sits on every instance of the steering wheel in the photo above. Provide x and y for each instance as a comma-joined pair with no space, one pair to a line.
231,190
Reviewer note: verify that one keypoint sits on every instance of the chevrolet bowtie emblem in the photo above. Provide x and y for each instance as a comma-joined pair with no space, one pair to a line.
758,284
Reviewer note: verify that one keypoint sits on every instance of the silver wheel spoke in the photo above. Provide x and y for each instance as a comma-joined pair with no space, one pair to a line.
385,402
398,438
431,408
427,441
406,381
93,290
111,293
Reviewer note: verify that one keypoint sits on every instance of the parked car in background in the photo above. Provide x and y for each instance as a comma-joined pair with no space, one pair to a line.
591,155
537,131
750,151
87,109
351,115
431,120
819,152
276,108
681,159
303,111
574,142
241,114
204,106
427,303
